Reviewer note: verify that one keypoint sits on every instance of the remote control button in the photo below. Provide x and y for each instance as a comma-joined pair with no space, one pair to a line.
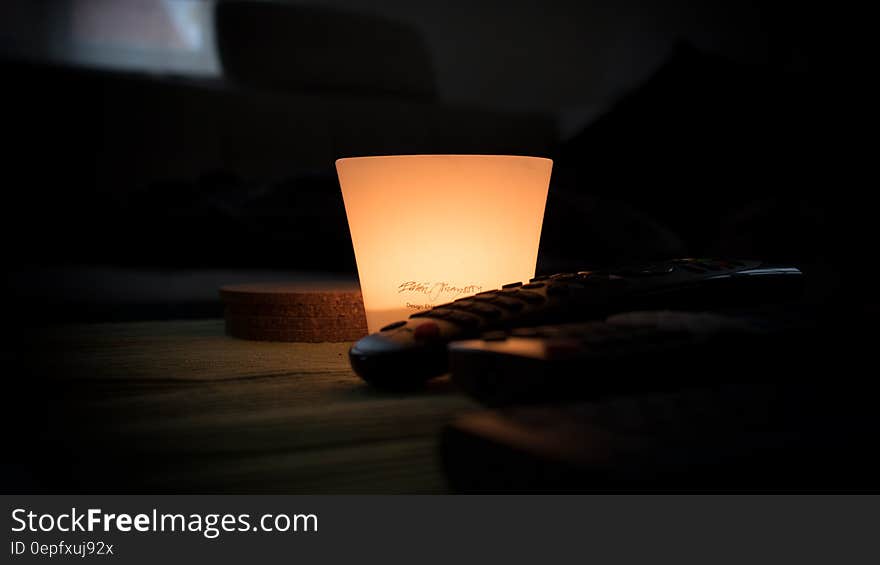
421,314
440,314
583,274
427,330
464,303
485,310
532,285
539,278
463,319
563,276
393,326
530,297
509,304
512,285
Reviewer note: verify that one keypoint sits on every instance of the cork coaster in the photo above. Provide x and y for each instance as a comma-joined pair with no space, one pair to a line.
309,312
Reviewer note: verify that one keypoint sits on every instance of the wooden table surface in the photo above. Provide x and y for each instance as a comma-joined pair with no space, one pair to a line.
177,406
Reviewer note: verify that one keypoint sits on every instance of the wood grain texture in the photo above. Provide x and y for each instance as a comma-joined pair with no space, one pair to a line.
180,407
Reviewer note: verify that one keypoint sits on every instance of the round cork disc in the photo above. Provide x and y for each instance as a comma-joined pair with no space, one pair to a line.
311,312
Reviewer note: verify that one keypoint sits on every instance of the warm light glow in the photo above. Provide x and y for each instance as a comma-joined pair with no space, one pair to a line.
428,229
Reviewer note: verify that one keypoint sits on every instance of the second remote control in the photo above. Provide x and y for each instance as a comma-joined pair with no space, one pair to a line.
404,354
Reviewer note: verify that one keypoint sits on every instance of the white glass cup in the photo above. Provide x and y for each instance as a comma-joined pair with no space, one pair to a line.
428,229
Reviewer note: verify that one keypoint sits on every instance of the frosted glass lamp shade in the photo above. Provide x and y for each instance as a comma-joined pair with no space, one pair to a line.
428,229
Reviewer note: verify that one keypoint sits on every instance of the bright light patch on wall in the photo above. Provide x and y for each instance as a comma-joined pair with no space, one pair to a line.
428,229
155,36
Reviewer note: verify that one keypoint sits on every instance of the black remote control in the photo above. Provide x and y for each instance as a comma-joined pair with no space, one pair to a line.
630,353
793,435
404,354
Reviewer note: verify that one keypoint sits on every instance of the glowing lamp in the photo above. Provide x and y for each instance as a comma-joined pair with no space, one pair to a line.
428,229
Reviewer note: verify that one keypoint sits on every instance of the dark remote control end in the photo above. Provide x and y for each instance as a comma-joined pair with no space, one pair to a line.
383,365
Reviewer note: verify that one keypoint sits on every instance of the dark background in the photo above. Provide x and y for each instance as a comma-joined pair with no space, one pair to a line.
155,150
136,144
